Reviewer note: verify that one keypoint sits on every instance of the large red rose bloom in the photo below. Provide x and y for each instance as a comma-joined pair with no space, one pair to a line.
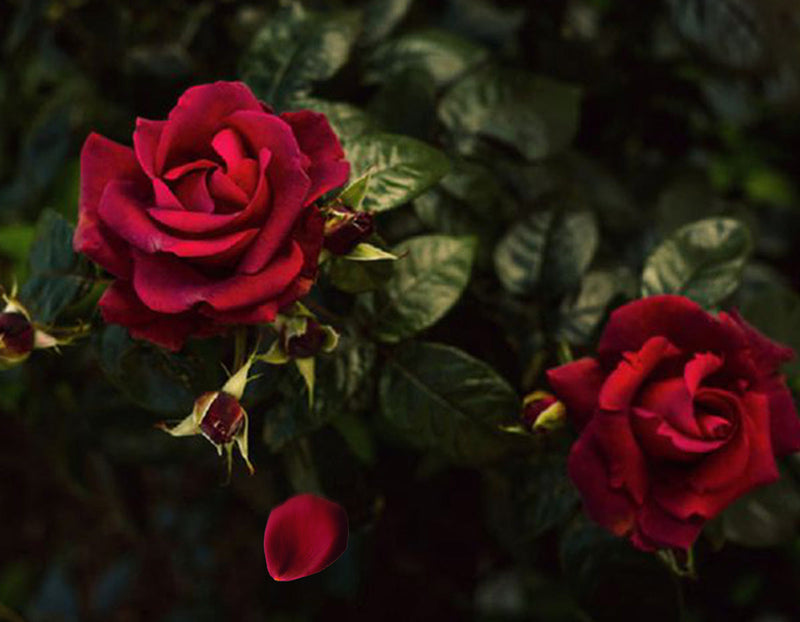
680,414
209,220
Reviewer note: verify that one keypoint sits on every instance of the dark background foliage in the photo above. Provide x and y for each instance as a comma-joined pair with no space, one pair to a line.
584,135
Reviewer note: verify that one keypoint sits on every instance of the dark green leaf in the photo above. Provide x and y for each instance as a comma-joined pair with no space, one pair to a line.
57,274
401,168
381,17
439,398
428,279
536,115
297,48
527,497
767,516
702,261
548,251
356,277
341,388
436,53
581,315
152,378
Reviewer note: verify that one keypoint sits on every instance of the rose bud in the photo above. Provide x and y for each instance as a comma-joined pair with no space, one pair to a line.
16,338
303,536
346,228
542,412
307,343
219,417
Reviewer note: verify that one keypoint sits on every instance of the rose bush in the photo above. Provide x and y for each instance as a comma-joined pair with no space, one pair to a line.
680,413
210,219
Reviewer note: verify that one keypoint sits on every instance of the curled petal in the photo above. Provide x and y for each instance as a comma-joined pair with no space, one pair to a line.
304,535
578,385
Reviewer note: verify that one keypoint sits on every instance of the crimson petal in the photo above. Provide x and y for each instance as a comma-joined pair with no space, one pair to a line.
304,535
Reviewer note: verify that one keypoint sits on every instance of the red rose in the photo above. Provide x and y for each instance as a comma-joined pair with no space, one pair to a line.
208,220
680,413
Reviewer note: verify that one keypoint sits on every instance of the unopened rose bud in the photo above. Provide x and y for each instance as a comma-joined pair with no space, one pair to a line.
17,337
306,344
223,419
346,228
542,412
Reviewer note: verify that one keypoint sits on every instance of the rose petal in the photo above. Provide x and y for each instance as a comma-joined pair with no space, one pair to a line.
303,536
167,284
671,400
328,169
123,210
289,184
120,305
103,161
196,119
578,385
784,422
613,509
146,137
200,223
622,384
767,355
228,144
198,165
660,439
192,192
625,463
683,322
658,529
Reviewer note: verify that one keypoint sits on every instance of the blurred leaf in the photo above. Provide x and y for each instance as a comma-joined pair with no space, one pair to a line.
381,17
295,49
526,497
766,516
437,397
729,31
407,104
486,21
57,273
400,168
581,315
16,241
149,376
702,261
604,571
536,115
548,252
341,389
428,279
437,53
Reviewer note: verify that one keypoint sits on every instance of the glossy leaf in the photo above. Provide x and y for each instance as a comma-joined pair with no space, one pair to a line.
57,273
436,53
400,168
536,115
428,279
381,17
295,49
702,261
547,252
439,398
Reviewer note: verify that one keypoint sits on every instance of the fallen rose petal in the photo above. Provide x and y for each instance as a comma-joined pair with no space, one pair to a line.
304,535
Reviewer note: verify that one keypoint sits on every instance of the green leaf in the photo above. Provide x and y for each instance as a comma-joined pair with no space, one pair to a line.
341,387
15,243
581,315
702,261
347,121
767,516
297,48
151,377
437,53
427,281
57,273
525,498
536,115
400,168
604,570
356,277
381,17
548,252
439,398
